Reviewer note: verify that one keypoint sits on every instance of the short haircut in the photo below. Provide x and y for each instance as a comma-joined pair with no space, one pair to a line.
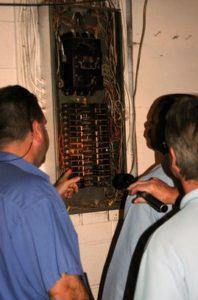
182,135
161,107
18,109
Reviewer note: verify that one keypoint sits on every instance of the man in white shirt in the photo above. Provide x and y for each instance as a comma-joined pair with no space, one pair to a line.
170,262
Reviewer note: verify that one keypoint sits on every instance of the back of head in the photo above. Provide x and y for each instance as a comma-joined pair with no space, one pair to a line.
157,114
18,109
182,135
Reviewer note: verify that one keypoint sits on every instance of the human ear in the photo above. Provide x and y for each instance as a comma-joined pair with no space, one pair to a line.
36,131
174,167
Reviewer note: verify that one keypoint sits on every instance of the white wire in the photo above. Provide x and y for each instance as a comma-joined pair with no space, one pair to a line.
131,143
29,48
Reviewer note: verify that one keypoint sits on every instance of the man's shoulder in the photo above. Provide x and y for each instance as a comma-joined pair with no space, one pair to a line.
169,233
156,171
22,189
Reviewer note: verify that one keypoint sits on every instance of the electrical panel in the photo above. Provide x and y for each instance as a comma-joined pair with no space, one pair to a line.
86,143
89,105
81,64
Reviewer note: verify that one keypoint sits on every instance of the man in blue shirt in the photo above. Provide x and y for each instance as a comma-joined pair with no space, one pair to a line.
39,253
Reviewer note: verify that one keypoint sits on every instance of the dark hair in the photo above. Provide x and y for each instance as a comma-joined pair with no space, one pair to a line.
160,107
182,135
18,109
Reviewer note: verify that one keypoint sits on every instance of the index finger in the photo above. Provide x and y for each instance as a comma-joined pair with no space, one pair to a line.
73,180
137,186
67,174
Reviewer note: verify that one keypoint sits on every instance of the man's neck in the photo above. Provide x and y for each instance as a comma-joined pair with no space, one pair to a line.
189,185
19,148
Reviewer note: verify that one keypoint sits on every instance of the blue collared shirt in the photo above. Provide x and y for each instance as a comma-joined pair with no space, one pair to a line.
37,238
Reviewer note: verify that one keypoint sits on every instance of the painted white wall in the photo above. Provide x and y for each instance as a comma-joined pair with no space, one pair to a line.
8,73
168,61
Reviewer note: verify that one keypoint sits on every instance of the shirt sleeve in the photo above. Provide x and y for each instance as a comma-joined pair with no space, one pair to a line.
46,243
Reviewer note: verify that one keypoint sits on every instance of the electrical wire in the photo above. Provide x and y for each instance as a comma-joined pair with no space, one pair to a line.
19,157
113,96
29,51
53,2
105,28
140,47
133,167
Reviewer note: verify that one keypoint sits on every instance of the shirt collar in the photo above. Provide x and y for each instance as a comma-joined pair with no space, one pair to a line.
190,197
13,159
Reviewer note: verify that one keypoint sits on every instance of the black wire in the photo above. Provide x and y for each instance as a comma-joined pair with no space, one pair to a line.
140,47
51,3
137,70
17,158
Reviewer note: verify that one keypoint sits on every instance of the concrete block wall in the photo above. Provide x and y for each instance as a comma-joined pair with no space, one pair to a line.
95,232
8,74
